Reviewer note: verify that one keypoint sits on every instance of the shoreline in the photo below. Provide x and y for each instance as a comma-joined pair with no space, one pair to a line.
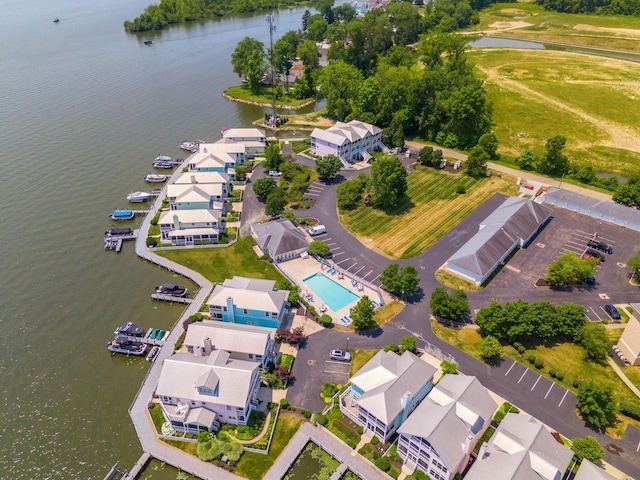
268,105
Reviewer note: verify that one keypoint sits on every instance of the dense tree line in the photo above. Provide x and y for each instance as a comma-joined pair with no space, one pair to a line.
167,12
600,7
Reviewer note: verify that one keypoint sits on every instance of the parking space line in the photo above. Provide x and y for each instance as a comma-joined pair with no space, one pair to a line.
313,194
335,371
342,261
552,384
565,394
534,385
376,277
331,243
594,312
337,253
361,268
606,313
514,362
352,266
523,374
367,274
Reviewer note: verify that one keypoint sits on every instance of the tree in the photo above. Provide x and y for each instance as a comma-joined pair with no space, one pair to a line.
489,142
430,157
319,248
284,52
629,193
527,160
476,164
554,162
327,167
339,83
570,269
307,52
276,202
273,157
452,305
448,368
291,336
596,404
241,173
263,187
589,448
362,314
400,281
408,344
388,180
350,193
490,350
248,60
634,262
595,341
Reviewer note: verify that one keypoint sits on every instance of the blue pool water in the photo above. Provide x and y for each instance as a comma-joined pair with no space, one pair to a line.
334,295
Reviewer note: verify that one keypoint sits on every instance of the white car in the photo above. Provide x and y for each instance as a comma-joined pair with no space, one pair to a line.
274,173
340,355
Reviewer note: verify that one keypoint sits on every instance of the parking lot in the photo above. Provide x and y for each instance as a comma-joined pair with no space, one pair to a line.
536,387
570,231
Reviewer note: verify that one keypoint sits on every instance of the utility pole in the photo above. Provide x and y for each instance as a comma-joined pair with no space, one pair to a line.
272,28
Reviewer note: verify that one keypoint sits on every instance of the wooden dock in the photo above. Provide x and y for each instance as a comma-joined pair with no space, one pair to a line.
114,242
118,473
171,298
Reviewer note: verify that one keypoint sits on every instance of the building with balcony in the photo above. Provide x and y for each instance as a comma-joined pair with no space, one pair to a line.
351,142
188,196
189,227
385,391
439,435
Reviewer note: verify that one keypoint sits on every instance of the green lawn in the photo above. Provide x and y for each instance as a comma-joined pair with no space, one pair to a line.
359,358
264,97
633,374
386,313
429,211
254,465
217,264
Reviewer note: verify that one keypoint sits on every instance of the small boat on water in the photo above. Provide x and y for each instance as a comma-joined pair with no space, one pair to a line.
122,215
148,42
139,197
153,353
163,158
56,20
156,178
161,164
130,329
189,146
116,232
124,345
172,289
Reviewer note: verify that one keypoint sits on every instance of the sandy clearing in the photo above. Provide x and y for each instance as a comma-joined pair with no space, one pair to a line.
509,25
620,136
621,31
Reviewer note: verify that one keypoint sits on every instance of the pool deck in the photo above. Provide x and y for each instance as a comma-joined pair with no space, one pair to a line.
299,269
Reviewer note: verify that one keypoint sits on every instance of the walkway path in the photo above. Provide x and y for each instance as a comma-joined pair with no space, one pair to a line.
624,378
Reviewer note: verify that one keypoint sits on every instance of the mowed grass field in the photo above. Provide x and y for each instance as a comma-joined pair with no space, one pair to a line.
529,21
592,101
430,210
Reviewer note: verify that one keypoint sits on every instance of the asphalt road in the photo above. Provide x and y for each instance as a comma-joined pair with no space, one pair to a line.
545,400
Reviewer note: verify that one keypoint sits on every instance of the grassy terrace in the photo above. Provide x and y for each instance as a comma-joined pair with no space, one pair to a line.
529,21
593,102
265,97
430,210
217,264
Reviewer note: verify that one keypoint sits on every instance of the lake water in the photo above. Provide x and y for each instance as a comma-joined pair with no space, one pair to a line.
84,109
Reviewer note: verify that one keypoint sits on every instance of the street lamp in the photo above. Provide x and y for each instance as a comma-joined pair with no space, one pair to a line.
347,349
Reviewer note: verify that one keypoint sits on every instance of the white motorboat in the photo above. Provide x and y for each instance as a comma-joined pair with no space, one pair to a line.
139,197
156,178
165,165
163,158
122,344
189,146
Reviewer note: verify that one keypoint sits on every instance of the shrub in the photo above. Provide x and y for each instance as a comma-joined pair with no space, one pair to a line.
461,189
420,475
360,429
326,320
553,373
531,359
539,364
284,403
152,242
630,409
521,349
307,414
155,219
393,347
321,419
560,376
328,390
383,464
375,441
516,345
204,437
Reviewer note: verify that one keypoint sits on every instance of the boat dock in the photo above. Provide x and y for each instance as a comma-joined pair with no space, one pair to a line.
171,298
114,242
118,473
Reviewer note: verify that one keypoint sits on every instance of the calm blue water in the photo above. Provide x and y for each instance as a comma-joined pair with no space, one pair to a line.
330,292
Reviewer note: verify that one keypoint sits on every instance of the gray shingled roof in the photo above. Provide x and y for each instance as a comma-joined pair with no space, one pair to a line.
279,237
521,449
456,408
589,471
517,218
386,378
606,208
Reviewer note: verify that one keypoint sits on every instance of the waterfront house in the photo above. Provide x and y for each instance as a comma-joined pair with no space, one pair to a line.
280,239
243,342
439,435
198,178
188,227
235,151
249,301
196,197
521,449
351,142
210,162
253,139
589,471
198,393
385,391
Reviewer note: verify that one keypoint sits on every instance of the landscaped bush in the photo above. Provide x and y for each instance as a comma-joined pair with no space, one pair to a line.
521,349
531,359
553,373
560,376
393,347
383,464
539,364
393,454
461,189
576,383
420,475
152,242
155,219
307,414
328,390
505,408
375,441
517,345
326,320
286,360
321,419
630,409
284,403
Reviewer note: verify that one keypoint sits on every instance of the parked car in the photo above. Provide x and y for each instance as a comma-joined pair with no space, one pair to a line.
317,230
274,173
596,254
588,255
590,280
603,247
613,311
340,355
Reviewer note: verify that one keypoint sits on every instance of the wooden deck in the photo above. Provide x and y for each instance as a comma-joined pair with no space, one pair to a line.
171,298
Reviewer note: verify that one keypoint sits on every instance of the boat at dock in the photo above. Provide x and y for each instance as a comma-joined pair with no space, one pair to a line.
130,329
189,146
156,178
153,353
117,232
163,158
122,215
139,197
170,288
122,344
162,164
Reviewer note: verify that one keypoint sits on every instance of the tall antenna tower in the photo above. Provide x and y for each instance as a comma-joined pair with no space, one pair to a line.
272,28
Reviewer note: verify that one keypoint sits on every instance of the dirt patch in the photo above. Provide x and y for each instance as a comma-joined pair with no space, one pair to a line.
509,25
513,11
629,32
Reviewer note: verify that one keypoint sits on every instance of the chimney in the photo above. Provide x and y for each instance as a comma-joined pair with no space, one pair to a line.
206,343
176,223
230,313
467,444
406,406
482,453
193,179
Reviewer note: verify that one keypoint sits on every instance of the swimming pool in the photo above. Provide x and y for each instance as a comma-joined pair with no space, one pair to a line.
334,295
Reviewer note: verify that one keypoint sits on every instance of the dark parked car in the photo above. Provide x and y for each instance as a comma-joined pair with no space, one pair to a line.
613,311
590,280
603,247
597,254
